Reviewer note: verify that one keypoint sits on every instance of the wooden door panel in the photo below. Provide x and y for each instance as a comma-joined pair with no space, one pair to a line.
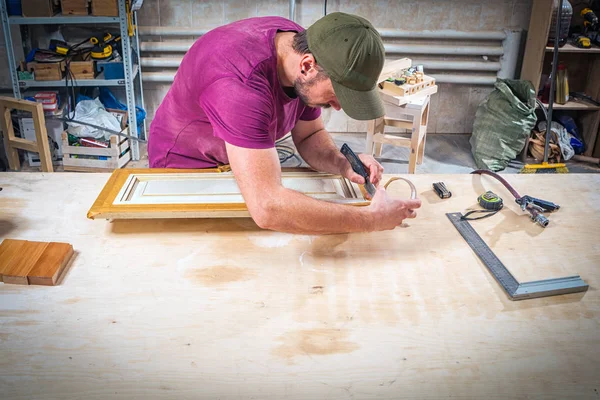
161,193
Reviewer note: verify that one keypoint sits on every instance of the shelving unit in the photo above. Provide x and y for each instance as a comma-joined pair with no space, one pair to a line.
584,63
132,81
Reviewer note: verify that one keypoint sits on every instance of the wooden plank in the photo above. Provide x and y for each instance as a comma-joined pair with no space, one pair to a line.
89,151
12,103
393,99
404,314
403,124
8,249
124,160
9,134
590,123
39,122
23,144
535,46
51,264
392,139
89,163
20,264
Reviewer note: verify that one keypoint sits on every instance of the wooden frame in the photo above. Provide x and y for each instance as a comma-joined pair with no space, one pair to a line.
12,143
176,193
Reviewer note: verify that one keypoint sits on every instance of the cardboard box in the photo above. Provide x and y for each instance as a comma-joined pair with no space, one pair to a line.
106,8
39,8
74,7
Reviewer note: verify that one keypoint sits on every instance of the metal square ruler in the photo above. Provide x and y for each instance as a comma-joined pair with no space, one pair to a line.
516,290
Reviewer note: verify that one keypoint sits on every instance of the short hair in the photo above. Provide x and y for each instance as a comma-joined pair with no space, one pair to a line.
300,43
300,46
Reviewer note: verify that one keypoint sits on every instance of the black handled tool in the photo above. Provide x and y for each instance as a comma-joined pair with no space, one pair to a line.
358,167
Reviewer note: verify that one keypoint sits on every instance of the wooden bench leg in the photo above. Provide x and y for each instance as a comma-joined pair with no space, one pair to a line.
41,137
421,149
414,148
374,127
9,134
424,119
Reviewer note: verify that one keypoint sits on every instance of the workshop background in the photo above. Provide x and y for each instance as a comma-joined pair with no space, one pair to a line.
452,110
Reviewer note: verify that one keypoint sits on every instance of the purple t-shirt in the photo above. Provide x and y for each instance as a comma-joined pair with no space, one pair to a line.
226,90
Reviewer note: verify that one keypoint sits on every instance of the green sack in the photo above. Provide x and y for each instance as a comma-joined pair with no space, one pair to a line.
503,122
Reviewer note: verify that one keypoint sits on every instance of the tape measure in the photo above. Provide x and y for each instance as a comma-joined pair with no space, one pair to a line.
490,201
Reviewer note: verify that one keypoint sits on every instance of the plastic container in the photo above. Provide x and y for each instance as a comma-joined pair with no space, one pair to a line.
562,84
565,23
13,7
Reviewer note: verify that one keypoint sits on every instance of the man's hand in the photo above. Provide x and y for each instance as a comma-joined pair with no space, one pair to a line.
389,213
374,169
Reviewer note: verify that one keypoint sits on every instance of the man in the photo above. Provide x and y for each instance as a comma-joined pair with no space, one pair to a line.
243,86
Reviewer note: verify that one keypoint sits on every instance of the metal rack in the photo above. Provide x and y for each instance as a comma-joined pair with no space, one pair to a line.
130,51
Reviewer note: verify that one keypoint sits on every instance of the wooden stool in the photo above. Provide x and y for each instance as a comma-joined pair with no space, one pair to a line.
12,143
418,112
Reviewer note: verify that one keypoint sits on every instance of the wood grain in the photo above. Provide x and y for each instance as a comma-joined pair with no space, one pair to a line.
50,264
208,309
21,263
109,206
8,249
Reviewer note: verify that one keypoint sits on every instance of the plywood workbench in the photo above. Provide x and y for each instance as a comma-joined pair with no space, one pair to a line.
219,309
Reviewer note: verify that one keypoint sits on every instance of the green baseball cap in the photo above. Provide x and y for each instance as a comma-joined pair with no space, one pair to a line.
351,51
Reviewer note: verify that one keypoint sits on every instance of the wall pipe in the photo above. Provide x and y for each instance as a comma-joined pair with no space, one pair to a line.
467,79
385,33
182,47
492,66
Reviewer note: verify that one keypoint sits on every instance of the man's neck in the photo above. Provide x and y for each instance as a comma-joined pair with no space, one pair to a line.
287,58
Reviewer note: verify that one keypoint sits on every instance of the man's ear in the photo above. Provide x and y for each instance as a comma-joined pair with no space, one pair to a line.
308,66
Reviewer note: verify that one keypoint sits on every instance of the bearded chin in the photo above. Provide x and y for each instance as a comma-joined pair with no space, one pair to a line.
301,89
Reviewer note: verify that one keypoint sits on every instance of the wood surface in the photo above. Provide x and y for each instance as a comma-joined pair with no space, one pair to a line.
206,193
8,249
217,308
51,263
20,264
535,46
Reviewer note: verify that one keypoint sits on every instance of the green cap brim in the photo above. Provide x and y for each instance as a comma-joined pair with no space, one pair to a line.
359,105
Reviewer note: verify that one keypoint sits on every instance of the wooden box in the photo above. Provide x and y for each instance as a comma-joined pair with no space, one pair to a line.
107,8
74,7
46,71
39,8
91,159
82,69
407,89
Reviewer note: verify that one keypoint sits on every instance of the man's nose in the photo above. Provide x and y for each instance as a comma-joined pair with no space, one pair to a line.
335,105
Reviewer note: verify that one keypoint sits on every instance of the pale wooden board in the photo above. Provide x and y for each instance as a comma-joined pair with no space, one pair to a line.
216,308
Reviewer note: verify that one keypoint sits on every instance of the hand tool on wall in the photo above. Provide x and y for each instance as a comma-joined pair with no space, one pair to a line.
534,206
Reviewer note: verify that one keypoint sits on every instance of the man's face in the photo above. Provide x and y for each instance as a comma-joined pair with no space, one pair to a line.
316,91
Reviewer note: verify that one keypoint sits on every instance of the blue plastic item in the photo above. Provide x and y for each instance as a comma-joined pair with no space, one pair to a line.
14,7
576,141
112,69
110,101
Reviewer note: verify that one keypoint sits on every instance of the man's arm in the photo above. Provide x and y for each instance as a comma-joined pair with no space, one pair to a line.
320,152
258,174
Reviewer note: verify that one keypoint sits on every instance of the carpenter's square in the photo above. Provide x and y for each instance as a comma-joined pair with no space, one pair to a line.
358,167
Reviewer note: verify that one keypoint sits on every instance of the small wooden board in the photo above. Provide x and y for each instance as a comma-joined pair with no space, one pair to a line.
37,263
